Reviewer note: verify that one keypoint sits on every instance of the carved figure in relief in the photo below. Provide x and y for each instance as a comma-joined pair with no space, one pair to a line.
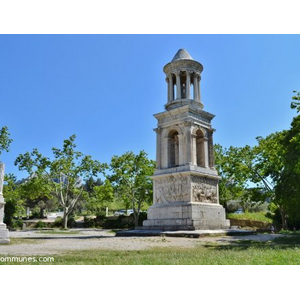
204,193
171,189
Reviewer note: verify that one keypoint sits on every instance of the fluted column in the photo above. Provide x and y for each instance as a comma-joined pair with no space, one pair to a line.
169,80
178,86
206,161
188,85
199,90
211,149
196,87
194,149
188,143
158,147
180,149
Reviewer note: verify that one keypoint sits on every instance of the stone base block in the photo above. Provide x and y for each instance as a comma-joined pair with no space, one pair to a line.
186,216
4,236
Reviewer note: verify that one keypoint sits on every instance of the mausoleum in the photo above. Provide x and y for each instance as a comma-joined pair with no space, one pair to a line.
185,182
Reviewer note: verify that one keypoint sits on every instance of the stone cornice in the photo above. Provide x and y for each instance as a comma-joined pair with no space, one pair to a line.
186,113
183,65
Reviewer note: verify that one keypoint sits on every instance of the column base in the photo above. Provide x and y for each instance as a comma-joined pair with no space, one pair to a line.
186,216
4,234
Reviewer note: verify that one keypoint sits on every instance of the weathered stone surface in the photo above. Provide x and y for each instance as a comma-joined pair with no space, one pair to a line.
4,236
185,182
186,216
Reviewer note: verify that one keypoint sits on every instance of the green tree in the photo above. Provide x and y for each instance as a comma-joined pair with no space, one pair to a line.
5,141
288,185
241,177
100,197
37,193
270,153
131,178
65,172
14,207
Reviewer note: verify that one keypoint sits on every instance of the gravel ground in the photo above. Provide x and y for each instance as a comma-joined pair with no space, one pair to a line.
36,242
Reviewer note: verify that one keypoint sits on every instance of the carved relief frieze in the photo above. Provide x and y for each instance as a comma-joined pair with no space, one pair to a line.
204,190
171,189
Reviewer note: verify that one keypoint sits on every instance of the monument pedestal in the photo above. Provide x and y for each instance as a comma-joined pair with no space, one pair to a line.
186,200
4,236
186,216
3,230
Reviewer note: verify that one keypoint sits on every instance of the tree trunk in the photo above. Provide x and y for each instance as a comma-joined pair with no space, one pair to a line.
65,219
136,218
283,220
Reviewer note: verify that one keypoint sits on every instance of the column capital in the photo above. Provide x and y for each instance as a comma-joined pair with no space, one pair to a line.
188,123
157,130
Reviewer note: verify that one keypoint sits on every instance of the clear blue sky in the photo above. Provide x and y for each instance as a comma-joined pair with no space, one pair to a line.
106,88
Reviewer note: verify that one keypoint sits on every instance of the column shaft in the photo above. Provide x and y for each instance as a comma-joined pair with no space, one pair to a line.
158,148
188,85
178,86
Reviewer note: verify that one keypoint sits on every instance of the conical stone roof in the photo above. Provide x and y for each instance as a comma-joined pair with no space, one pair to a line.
182,54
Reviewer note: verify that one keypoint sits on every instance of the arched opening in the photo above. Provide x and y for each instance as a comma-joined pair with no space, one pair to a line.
200,153
173,145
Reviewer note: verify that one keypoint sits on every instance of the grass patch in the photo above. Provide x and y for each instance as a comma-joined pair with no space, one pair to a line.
251,216
282,251
20,241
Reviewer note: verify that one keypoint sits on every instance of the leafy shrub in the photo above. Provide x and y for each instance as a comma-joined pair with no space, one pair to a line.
15,224
101,214
89,222
59,222
40,224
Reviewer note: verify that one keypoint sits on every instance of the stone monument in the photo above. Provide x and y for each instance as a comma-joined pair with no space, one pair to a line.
4,239
185,182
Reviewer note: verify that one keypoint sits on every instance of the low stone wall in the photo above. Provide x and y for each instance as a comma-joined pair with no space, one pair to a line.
250,223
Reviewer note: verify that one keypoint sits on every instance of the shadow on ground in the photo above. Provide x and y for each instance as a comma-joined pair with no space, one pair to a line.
281,242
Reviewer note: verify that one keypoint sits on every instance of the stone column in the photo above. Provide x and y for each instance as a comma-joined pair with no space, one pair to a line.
164,149
206,160
180,149
188,143
169,80
188,85
199,90
211,149
194,149
197,78
171,88
195,87
158,147
178,86
3,231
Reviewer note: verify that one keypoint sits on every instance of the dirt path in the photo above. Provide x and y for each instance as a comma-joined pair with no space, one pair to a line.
42,243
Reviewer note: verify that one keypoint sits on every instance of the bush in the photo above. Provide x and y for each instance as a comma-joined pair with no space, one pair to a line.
40,225
101,214
89,222
59,222
15,224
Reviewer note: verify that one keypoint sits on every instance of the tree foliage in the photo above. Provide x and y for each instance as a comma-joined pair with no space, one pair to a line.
5,139
14,204
65,172
101,196
131,177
